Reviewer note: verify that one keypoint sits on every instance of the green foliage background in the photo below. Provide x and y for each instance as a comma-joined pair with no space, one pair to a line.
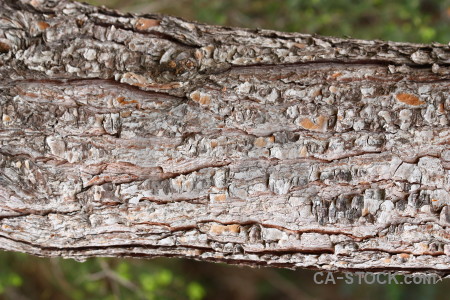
27,277
398,20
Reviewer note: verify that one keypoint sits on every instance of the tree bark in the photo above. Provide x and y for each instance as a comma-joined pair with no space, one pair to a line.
144,136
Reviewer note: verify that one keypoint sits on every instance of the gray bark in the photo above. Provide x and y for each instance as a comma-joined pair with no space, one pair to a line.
144,136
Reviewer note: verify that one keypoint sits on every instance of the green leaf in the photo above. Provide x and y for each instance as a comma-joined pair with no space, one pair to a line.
15,280
123,270
164,277
427,34
148,282
195,291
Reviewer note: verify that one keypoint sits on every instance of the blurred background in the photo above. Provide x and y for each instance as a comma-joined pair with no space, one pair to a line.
27,277
398,20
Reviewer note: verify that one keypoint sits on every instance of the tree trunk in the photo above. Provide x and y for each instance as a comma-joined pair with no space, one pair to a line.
146,136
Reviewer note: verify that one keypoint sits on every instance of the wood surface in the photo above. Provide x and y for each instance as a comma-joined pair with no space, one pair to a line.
144,136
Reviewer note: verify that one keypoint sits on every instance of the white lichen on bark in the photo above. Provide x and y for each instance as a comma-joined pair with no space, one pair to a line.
145,136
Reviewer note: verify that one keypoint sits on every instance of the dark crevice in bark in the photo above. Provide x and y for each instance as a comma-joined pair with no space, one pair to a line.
337,64
283,251
437,253
151,33
95,81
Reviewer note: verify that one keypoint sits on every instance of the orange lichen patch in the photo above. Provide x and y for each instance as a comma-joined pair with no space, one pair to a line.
201,98
260,142
122,101
271,139
320,125
205,99
404,255
409,99
6,118
221,197
336,75
220,229
42,25
218,197
195,96
4,226
143,24
386,260
434,200
98,180
32,95
214,144
125,114
189,64
317,93
22,93
300,45
80,22
43,93
172,64
4,47
441,108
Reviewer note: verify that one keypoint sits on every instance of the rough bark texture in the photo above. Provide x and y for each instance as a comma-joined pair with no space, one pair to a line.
145,136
